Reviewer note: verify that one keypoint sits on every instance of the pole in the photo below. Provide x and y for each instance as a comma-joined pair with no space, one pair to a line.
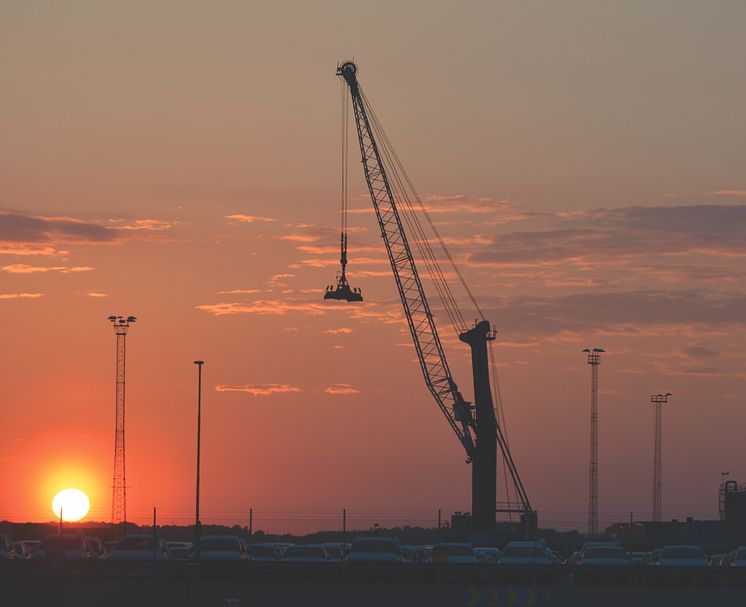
59,528
197,529
344,525
155,534
251,526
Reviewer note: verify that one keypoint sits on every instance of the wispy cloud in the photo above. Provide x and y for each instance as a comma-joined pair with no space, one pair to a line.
239,292
339,331
21,295
275,307
22,268
729,193
146,225
341,389
455,204
259,389
97,294
240,217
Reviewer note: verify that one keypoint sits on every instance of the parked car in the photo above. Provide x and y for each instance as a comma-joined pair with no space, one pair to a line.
307,553
738,557
180,551
25,548
222,548
487,555
335,551
264,552
682,556
97,547
655,557
612,556
638,558
527,553
139,547
68,547
455,553
7,551
374,549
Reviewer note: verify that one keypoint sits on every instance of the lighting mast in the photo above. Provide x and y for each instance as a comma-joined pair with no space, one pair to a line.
121,326
594,360
658,400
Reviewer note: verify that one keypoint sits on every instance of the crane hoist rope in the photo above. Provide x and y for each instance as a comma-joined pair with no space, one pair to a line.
342,290
396,204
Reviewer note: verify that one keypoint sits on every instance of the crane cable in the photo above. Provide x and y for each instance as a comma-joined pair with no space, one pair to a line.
402,185
399,183
345,156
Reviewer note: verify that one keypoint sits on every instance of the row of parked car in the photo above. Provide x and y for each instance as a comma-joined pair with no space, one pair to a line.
613,554
363,549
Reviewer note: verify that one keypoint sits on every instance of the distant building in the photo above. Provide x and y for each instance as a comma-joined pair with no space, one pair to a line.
647,535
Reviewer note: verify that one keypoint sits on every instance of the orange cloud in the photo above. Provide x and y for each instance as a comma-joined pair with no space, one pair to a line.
341,389
21,295
249,218
22,268
259,389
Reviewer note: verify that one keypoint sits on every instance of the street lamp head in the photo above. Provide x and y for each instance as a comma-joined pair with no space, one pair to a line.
599,350
587,350
131,318
111,318
199,362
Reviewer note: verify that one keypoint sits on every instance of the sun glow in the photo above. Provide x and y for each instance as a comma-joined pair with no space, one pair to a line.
73,503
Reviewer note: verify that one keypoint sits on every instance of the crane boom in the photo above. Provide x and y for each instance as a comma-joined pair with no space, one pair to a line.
475,425
427,343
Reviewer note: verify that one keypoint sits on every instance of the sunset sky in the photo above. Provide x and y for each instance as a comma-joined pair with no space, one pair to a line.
180,162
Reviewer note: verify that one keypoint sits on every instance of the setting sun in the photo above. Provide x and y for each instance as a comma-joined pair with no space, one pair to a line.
72,503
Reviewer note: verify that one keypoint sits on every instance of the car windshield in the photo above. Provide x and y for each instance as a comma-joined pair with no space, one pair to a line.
306,551
136,543
372,546
460,550
263,551
524,552
61,543
220,544
682,553
604,553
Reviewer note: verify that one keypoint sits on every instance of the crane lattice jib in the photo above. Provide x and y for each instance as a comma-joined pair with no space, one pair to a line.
416,309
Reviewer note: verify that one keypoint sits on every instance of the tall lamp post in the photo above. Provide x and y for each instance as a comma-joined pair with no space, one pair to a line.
199,364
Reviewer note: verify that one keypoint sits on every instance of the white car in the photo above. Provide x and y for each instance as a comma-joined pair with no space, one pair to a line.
308,553
455,553
527,553
374,550
69,547
612,556
139,547
222,548
264,552
682,556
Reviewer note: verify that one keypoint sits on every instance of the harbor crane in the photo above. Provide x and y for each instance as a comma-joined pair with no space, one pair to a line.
475,425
